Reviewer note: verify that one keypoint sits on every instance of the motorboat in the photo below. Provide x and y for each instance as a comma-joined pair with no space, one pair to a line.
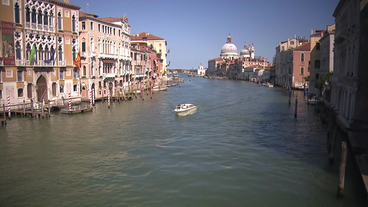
185,109
312,101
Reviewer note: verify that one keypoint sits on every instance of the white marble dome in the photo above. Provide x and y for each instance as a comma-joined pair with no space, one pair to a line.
229,50
245,52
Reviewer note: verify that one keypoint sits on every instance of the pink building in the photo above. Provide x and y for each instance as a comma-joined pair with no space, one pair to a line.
301,57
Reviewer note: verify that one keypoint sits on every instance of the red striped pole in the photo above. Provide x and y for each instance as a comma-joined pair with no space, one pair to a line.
108,98
90,98
70,102
9,114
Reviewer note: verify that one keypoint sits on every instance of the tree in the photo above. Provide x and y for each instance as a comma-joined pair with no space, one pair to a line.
322,81
307,78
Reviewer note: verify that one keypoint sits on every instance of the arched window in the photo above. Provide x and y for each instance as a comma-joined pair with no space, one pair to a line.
73,23
51,16
40,53
17,13
34,15
74,53
18,51
83,45
59,21
84,70
302,57
28,15
28,51
45,18
47,53
39,17
60,53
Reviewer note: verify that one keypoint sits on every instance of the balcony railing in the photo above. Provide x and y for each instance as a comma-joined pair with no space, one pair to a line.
20,62
61,63
108,75
28,25
83,54
103,55
33,26
39,26
52,28
93,54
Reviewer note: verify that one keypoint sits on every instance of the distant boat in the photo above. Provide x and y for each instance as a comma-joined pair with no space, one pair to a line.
185,109
312,101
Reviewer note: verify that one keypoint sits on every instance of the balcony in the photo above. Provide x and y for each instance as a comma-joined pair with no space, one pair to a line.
108,75
93,54
33,26
83,54
104,55
61,63
45,27
52,28
28,25
20,62
39,26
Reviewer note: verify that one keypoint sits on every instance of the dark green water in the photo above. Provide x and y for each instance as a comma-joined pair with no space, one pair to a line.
243,147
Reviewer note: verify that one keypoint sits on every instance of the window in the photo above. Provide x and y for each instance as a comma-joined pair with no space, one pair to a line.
318,46
114,31
60,53
99,84
1,94
61,75
29,90
91,25
99,27
291,42
34,15
317,63
317,76
302,57
119,32
28,15
59,21
17,13
0,76
18,53
74,54
83,46
73,24
83,25
53,89
19,76
61,88
75,88
45,18
20,92
289,70
302,70
84,70
39,18
75,74
282,48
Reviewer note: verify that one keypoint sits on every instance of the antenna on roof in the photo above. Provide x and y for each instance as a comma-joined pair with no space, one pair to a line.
87,5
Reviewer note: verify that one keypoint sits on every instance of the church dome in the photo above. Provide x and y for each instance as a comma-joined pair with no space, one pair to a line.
229,49
244,51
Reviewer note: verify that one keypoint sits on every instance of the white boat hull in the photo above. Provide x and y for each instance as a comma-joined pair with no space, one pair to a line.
185,109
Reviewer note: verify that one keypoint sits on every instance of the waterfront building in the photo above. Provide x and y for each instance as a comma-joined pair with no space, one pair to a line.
213,66
158,44
349,85
294,66
229,50
315,59
39,44
201,71
105,55
281,58
144,61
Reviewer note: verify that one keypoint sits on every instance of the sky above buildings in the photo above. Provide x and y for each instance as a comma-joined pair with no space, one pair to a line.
196,30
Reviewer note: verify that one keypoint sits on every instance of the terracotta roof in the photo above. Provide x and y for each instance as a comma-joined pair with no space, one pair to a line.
304,47
65,4
112,19
216,59
145,36
84,14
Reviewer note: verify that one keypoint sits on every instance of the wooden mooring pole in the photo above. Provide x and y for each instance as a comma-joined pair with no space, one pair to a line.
24,107
296,106
340,188
3,122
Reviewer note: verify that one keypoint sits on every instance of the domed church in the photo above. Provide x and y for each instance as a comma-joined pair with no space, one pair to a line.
229,50
247,51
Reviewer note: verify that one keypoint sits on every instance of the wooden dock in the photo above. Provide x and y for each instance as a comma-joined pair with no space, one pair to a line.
77,110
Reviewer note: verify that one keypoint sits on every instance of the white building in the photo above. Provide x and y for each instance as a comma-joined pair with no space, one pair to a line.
201,71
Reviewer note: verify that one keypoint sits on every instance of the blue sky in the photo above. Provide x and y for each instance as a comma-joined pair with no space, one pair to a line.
195,30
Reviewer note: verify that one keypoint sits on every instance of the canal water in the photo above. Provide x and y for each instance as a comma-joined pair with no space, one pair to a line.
243,147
